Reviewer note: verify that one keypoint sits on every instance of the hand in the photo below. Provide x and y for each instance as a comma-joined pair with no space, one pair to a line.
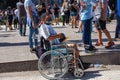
34,25
60,35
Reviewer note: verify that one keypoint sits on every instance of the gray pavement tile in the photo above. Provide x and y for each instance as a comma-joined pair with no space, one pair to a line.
13,47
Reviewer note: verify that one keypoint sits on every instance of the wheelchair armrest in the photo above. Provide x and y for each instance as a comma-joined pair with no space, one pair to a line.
62,45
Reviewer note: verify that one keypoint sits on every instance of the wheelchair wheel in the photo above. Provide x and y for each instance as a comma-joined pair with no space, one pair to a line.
52,65
79,72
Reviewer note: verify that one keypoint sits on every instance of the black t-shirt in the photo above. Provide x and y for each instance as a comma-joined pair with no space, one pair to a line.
73,8
56,10
49,10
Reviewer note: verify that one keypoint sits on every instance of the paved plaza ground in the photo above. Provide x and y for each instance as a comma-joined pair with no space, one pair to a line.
14,51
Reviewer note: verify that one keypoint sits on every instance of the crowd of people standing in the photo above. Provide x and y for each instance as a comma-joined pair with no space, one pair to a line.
72,13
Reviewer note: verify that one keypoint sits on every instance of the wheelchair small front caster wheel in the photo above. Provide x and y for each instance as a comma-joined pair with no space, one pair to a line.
78,73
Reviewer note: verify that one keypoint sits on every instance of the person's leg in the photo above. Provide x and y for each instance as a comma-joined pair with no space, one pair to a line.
57,19
20,26
36,40
63,20
75,20
99,32
76,51
86,34
31,31
107,35
80,26
24,27
72,21
67,17
76,55
10,24
72,18
103,27
14,22
117,32
99,42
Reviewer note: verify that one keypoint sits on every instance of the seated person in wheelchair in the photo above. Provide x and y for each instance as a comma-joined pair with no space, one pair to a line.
48,33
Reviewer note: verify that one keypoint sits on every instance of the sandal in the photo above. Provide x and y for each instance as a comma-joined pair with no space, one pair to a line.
98,43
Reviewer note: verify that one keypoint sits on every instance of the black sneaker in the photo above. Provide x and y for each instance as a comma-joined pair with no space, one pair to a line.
33,50
90,49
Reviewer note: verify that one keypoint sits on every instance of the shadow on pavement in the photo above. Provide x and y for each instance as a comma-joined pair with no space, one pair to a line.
93,40
19,66
4,44
59,27
5,35
87,75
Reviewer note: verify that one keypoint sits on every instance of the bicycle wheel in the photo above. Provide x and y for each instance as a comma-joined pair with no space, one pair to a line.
52,65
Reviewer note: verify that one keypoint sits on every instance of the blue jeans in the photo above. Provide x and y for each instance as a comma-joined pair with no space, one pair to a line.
86,33
72,13
117,32
32,31
22,25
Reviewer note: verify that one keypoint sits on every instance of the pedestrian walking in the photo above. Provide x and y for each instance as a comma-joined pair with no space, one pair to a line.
86,18
101,14
15,18
21,17
66,10
32,21
9,18
56,13
74,13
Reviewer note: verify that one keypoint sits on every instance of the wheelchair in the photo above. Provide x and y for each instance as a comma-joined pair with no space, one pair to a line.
56,62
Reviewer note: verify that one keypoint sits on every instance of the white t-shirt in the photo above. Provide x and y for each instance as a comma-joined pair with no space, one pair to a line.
98,9
46,31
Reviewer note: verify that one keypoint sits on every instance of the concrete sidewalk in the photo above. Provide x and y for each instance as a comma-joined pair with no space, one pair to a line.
89,75
15,55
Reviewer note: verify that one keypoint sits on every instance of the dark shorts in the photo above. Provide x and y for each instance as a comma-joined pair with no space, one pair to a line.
100,24
56,15
10,21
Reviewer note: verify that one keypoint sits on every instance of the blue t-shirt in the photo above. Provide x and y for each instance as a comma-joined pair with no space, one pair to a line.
86,13
33,9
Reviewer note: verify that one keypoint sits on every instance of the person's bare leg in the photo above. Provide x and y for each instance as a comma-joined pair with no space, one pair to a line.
80,26
72,21
57,20
107,35
75,55
76,51
75,22
99,36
